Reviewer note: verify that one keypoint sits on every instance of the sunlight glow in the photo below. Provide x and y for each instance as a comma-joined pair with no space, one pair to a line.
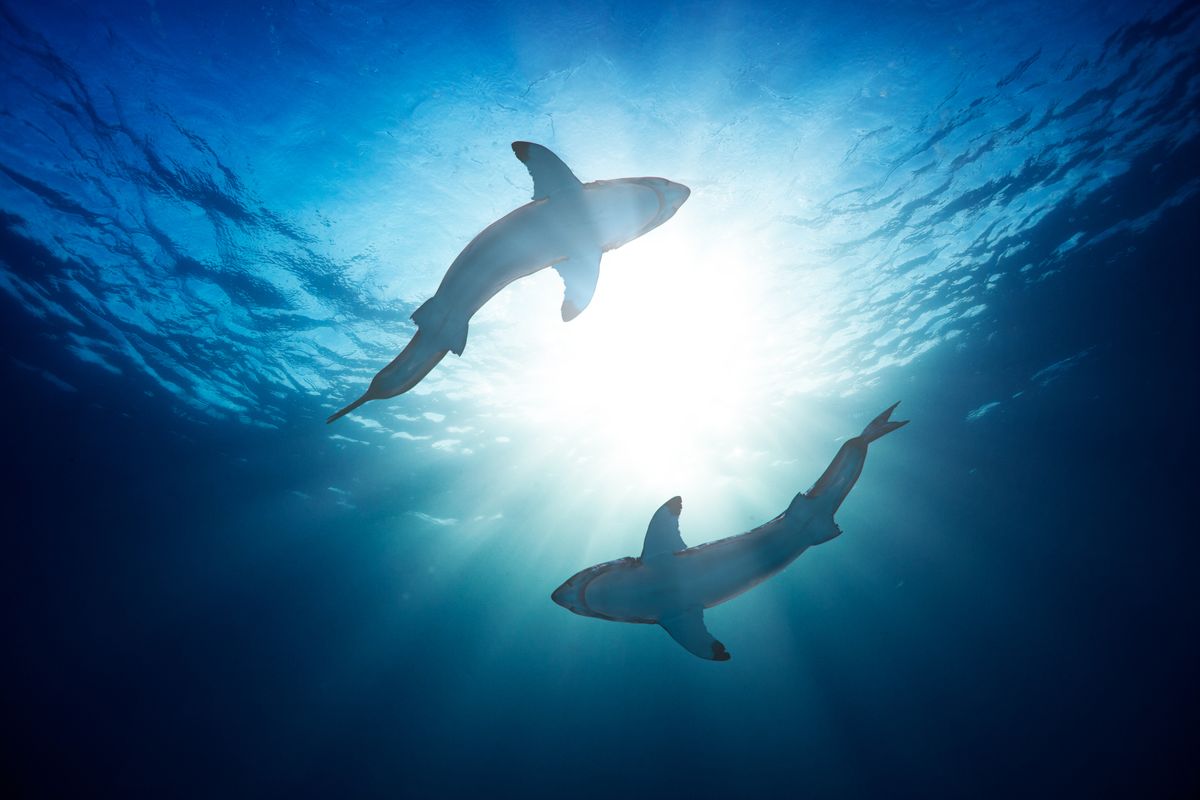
658,375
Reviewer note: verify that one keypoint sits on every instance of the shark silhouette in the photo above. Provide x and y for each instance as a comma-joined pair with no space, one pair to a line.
569,225
671,584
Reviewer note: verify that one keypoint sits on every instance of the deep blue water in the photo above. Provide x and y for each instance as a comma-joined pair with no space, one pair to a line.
215,220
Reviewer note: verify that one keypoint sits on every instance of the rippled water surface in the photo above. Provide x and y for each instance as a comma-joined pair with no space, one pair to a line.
216,219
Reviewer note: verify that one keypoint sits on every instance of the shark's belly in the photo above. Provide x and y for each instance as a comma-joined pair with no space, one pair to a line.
724,569
519,244
649,590
641,593
701,577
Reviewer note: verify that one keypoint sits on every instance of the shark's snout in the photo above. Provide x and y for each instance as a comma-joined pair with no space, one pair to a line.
572,595
671,196
668,195
682,192
559,595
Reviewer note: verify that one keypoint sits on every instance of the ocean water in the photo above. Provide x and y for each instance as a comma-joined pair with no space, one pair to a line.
216,219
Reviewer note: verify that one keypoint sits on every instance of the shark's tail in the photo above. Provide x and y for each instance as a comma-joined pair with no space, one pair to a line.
880,426
344,411
406,371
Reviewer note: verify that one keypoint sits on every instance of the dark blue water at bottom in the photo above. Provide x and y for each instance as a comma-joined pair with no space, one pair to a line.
209,593
168,634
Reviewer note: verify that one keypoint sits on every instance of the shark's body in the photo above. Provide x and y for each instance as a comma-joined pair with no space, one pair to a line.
569,225
671,584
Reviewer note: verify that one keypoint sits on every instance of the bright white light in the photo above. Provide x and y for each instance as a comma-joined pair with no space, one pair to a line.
662,371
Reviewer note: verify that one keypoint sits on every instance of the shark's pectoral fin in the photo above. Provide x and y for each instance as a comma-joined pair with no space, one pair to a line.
688,629
549,173
579,273
662,536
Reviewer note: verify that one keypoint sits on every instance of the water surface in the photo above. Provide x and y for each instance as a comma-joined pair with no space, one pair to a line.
215,222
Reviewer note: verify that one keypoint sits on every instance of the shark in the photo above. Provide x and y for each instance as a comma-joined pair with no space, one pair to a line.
671,584
568,225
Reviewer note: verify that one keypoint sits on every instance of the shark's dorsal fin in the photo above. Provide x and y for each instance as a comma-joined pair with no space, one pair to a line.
688,629
579,273
662,537
549,173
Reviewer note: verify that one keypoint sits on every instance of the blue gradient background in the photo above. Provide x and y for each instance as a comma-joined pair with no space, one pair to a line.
216,219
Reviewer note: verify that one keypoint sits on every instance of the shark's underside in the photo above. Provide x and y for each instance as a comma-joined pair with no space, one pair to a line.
671,584
568,225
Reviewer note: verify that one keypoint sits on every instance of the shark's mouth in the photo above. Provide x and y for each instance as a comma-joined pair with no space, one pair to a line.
657,219
572,595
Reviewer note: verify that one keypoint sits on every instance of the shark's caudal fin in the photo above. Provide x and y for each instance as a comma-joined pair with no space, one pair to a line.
880,425
346,410
406,371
